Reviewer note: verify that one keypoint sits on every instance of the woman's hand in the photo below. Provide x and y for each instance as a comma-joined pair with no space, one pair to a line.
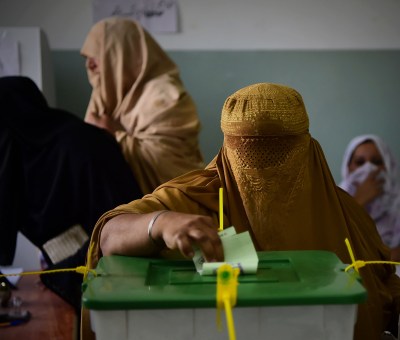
185,231
104,121
127,234
370,189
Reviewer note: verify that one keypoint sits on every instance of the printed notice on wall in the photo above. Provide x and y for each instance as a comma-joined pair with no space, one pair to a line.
9,57
157,16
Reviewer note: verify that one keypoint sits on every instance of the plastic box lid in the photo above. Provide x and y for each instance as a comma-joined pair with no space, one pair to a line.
283,278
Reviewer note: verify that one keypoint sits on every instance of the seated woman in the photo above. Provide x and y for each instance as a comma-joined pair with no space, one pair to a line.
370,174
57,176
277,185
139,97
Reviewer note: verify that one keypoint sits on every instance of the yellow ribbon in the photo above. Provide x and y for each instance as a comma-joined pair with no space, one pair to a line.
357,264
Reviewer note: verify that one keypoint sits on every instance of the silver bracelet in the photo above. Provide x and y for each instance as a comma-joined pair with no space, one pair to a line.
150,228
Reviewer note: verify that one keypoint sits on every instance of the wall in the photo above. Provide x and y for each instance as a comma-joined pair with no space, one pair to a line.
343,56
346,92
35,58
232,24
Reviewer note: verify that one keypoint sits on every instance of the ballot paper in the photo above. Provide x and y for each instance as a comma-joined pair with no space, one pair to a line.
239,252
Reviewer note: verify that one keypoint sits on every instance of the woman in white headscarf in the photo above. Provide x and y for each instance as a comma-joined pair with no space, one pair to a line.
370,174
139,97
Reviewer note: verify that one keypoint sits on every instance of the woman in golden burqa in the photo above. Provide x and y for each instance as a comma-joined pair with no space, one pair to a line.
277,185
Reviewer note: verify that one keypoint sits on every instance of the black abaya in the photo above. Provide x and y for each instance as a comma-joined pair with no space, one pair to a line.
55,171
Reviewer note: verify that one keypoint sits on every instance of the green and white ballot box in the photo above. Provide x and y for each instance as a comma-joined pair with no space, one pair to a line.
293,295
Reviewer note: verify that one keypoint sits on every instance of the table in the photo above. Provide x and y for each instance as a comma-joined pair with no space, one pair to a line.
51,317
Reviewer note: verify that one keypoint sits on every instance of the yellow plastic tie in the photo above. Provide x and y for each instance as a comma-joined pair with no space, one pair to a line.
89,261
357,264
81,270
221,209
227,295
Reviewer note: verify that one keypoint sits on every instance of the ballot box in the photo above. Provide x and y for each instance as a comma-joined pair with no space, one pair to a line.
293,295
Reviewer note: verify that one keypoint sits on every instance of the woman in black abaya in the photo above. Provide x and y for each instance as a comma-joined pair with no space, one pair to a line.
56,172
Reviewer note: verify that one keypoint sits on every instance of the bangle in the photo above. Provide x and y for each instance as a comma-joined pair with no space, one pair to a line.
150,228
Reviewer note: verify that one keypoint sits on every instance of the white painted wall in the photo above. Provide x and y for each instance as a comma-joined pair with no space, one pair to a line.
232,24
35,57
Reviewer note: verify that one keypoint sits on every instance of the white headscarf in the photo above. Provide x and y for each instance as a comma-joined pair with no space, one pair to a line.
385,209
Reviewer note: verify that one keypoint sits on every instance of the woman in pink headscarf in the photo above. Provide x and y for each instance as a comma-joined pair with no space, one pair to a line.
139,97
